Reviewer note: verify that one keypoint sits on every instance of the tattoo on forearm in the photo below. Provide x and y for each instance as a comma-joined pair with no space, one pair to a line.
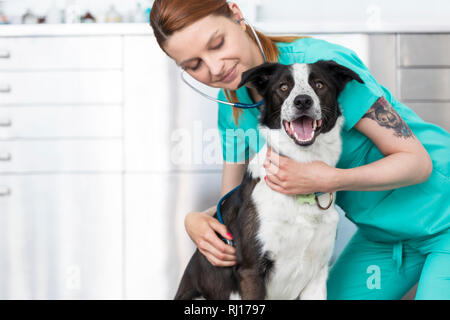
386,116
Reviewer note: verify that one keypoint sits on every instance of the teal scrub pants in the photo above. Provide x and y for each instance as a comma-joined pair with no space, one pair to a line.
368,270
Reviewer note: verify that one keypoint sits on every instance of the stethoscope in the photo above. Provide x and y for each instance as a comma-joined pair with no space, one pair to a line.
235,104
242,106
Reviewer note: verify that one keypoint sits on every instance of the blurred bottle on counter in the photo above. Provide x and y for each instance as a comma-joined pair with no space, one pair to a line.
112,15
88,18
149,8
73,12
3,17
147,14
29,17
141,13
138,14
56,13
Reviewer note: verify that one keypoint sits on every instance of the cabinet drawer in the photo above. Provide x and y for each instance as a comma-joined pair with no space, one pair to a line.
434,112
43,53
61,156
148,250
71,87
424,50
425,84
61,122
61,236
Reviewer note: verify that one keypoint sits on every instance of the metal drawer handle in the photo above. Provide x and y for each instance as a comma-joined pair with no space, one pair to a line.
5,89
4,54
4,191
6,156
5,122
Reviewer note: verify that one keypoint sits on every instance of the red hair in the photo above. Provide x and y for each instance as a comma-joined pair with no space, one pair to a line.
170,16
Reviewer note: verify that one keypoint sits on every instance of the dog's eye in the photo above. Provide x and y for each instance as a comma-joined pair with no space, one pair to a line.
319,85
284,87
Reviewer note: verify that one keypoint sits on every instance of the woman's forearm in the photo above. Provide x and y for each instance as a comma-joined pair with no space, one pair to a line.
231,176
393,171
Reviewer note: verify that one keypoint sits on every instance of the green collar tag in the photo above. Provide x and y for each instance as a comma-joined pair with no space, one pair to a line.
306,198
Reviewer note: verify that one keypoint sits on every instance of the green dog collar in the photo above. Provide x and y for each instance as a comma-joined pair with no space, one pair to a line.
311,199
307,198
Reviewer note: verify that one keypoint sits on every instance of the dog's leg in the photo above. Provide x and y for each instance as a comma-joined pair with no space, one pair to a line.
252,285
316,289
186,290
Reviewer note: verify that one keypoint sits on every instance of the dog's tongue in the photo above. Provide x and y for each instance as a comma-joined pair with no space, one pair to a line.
303,127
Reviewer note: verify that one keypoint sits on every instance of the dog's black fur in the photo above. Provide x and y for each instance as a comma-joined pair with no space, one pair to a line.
248,276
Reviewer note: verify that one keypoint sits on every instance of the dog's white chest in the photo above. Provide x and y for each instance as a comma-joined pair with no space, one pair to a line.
298,238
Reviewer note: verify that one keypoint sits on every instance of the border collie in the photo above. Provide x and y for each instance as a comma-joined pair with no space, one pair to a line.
283,246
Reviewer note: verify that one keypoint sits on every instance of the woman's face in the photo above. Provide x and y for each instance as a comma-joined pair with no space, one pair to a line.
211,48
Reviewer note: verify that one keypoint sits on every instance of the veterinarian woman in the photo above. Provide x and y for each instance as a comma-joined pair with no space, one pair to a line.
392,178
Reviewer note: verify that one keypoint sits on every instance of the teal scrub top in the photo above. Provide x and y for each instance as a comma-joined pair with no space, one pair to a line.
410,212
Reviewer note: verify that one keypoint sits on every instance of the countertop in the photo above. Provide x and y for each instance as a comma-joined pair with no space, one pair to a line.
338,27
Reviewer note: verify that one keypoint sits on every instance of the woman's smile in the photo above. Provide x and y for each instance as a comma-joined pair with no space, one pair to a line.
231,75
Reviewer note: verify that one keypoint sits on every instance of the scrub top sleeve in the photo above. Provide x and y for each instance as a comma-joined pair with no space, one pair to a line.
356,98
234,145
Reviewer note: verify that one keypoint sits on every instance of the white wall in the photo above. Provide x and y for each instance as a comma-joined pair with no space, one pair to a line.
281,10
353,9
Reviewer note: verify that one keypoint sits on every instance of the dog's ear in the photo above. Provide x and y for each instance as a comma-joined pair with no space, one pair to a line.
341,74
259,77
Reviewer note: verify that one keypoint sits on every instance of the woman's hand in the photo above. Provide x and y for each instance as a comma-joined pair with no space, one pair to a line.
290,177
202,229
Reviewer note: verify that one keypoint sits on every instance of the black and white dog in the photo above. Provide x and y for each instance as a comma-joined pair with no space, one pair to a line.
283,247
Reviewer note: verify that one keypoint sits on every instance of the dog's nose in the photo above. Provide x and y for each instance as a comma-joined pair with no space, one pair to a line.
303,101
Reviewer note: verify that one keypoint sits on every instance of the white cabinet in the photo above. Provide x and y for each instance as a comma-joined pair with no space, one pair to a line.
148,105
61,168
166,127
74,121
61,87
36,156
60,53
157,245
92,192
61,236
103,151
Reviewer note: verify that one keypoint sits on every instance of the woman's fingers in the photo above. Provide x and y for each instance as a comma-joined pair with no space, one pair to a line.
216,262
275,180
274,157
216,256
220,228
203,230
271,174
215,241
213,248
271,167
275,187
